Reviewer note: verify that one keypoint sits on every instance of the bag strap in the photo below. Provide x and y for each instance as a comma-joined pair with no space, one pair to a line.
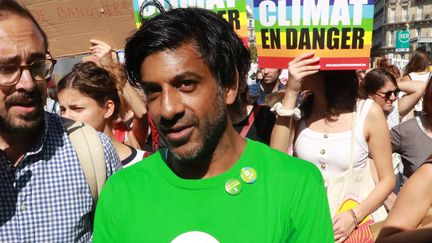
353,128
251,119
89,149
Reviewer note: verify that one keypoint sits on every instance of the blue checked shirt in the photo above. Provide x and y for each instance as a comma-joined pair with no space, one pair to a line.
46,198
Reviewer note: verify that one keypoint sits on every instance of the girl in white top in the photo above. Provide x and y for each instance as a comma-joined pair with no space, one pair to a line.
383,85
417,68
330,152
323,135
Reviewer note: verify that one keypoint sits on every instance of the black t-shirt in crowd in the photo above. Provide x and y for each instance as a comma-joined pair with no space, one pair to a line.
261,127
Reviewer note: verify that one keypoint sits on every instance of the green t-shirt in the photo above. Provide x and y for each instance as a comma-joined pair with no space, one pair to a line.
147,202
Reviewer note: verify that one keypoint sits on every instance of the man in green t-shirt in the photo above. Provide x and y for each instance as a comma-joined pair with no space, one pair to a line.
209,184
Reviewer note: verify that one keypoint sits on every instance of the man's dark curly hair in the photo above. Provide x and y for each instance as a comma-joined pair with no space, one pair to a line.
213,37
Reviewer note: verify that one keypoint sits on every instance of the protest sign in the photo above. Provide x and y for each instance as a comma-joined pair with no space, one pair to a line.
234,11
337,31
70,24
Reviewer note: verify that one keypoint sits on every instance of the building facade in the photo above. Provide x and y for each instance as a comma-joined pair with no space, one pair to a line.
393,16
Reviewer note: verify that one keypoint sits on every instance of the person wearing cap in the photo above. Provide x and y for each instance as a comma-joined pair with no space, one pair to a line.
209,184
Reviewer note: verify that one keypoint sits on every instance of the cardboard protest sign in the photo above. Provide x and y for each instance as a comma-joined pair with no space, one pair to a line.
337,31
234,11
70,24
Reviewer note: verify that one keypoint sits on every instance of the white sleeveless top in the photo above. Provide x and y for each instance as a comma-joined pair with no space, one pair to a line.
393,118
419,77
331,152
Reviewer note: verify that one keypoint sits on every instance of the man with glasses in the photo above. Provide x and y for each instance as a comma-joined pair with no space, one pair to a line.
44,196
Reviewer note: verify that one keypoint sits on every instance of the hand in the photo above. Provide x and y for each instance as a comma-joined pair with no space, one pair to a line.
343,226
102,52
299,68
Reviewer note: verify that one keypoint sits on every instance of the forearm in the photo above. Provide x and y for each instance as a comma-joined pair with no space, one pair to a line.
410,87
378,139
281,137
414,91
376,197
393,235
410,209
135,101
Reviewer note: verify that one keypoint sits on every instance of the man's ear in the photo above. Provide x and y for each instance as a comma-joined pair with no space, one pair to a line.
109,109
231,91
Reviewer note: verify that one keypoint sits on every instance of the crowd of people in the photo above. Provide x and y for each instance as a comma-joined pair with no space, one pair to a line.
318,156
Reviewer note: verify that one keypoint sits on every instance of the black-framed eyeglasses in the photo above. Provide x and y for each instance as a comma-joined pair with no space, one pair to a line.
387,95
40,70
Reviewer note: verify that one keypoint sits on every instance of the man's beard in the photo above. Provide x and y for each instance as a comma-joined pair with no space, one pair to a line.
212,129
25,123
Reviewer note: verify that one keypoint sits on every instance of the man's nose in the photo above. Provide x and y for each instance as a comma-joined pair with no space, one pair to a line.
171,103
26,81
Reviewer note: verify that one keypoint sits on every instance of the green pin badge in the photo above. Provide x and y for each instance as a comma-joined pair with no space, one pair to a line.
233,186
248,175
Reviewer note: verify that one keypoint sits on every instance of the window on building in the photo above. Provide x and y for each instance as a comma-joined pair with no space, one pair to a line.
391,15
404,14
418,31
390,35
419,11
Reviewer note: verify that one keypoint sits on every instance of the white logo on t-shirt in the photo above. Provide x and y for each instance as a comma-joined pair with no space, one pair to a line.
195,237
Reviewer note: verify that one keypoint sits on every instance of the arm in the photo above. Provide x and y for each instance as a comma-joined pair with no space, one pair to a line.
137,104
388,203
414,91
412,204
378,139
135,100
406,78
133,97
283,130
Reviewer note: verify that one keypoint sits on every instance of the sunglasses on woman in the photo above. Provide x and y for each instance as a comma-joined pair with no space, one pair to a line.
388,94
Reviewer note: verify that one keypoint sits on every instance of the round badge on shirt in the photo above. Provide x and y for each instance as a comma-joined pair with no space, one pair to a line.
233,186
248,175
